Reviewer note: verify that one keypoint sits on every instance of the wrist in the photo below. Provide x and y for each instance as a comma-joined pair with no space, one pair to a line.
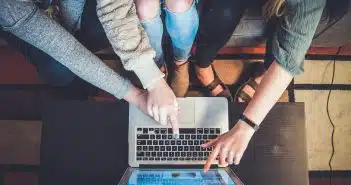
244,126
132,95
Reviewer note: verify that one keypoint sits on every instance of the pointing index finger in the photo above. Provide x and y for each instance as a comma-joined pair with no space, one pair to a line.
211,158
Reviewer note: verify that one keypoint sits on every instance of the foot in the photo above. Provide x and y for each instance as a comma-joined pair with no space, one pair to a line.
180,78
206,76
250,90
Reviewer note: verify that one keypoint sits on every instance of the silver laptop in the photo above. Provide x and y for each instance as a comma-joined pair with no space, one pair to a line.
152,145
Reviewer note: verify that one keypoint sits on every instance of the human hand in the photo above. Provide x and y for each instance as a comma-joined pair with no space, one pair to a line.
230,146
162,105
137,97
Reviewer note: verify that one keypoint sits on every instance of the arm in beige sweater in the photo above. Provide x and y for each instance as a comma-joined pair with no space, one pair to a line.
128,39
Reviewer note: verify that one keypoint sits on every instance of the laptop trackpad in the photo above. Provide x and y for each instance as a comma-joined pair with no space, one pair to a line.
187,111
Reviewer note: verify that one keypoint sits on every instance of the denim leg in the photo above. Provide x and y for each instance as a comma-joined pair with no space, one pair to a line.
154,30
51,71
182,28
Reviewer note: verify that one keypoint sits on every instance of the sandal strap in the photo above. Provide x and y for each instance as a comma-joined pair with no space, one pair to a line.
213,84
252,83
244,96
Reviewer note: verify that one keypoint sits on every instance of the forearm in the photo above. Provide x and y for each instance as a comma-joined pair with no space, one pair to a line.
45,34
274,82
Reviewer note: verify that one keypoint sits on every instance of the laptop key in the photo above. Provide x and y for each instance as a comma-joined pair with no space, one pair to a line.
192,148
142,136
181,136
196,142
187,130
170,137
212,130
184,142
173,142
161,142
138,148
174,148
179,142
188,154
158,136
163,131
157,148
152,137
201,154
144,130
151,148
149,142
188,159
218,131
197,148
193,136
163,158
199,131
190,142
204,137
168,148
170,131
157,130
162,148
164,136
206,131
171,154
169,159
181,159
139,129
151,129
195,154
212,136
199,137
167,142
153,154
177,154
139,158
180,148
183,154
165,154
147,154
175,159
144,148
206,154
159,154
186,148
151,158
157,158
140,154
187,136
155,142
141,142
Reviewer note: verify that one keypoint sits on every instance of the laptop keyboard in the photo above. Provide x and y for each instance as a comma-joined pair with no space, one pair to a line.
157,144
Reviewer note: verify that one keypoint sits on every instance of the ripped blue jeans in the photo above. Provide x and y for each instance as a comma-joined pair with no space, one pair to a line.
181,27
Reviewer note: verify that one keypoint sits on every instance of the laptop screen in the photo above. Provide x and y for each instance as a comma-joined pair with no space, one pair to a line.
181,177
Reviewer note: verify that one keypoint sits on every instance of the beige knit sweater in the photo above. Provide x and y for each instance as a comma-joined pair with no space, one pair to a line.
128,39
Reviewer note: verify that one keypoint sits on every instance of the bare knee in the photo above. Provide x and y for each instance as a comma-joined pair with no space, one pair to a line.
178,5
147,9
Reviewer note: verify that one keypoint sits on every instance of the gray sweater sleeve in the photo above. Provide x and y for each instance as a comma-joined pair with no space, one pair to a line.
24,20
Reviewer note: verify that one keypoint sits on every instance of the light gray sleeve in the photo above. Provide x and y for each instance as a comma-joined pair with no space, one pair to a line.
24,20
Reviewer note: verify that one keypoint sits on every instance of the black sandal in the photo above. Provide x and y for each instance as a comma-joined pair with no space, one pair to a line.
225,93
258,70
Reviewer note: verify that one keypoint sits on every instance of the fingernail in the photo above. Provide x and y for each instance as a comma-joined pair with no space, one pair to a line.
176,135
